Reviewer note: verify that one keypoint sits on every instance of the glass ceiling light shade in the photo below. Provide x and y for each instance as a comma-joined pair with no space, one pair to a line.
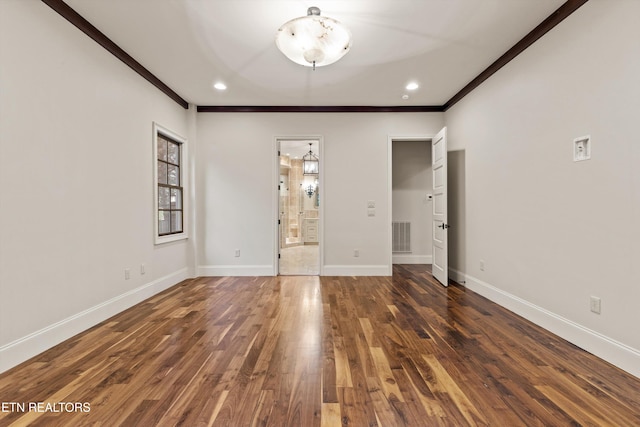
313,40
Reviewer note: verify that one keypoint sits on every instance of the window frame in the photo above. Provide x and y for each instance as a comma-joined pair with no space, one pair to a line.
182,142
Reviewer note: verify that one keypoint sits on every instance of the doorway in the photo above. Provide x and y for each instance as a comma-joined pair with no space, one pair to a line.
433,195
299,219
411,201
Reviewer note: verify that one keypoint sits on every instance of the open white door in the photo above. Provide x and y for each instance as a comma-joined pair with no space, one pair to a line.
440,264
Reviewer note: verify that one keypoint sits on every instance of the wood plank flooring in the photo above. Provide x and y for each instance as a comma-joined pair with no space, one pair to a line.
318,351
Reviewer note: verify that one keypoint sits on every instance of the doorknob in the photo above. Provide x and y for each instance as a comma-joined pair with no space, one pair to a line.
443,226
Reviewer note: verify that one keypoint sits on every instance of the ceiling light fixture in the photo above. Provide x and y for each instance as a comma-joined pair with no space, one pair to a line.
310,163
412,86
313,40
220,86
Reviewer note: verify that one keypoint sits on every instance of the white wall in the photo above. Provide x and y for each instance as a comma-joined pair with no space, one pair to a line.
75,182
411,181
236,182
553,232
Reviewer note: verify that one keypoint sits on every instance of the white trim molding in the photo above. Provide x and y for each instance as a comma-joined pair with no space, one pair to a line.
24,348
357,270
614,352
412,259
235,270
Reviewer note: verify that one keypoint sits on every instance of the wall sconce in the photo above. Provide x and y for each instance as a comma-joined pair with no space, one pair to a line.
311,189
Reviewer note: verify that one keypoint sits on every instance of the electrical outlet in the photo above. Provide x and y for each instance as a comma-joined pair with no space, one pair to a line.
127,274
595,304
356,253
237,253
481,265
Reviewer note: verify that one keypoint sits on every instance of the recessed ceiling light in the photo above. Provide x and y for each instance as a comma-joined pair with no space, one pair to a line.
412,86
220,86
405,96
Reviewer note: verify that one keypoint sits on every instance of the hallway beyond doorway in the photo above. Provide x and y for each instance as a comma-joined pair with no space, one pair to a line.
299,212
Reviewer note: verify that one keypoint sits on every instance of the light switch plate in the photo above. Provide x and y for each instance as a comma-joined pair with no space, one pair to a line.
582,148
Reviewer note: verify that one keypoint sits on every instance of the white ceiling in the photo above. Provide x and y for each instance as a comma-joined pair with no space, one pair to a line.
191,44
297,149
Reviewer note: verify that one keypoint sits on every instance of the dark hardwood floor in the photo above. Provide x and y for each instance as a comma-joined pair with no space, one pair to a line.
318,351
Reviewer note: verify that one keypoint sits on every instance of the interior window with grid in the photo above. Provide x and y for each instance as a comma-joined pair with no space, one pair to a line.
170,208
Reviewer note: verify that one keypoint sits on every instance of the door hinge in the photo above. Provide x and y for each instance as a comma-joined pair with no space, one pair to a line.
278,222
278,256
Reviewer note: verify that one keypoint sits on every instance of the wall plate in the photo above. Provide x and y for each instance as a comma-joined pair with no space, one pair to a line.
582,148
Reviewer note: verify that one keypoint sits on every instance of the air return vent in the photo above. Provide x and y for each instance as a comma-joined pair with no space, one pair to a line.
401,236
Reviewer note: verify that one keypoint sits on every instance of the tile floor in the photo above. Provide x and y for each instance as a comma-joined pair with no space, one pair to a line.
300,261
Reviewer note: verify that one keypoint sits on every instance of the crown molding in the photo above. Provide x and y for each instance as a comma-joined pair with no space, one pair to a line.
317,109
86,27
545,26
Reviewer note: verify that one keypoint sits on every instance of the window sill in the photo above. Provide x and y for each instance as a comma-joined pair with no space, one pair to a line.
171,238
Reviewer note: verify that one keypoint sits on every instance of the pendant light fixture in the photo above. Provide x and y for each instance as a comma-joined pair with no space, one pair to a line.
313,40
310,163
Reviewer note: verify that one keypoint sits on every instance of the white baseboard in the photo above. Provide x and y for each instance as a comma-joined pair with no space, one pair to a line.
268,270
614,352
235,270
457,276
24,348
356,270
412,259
